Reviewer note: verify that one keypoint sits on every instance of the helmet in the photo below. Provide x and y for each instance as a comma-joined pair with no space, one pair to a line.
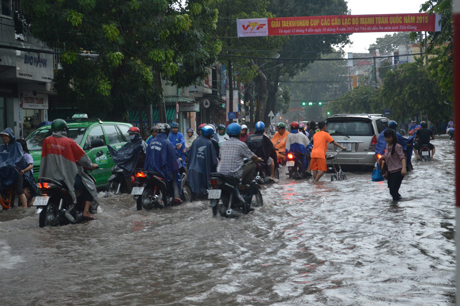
392,124
221,127
189,130
163,128
59,125
233,129
175,125
134,130
244,126
260,126
301,126
424,124
154,129
207,130
201,126
281,125
294,125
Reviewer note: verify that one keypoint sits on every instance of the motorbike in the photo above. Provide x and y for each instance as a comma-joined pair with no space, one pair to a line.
294,165
118,182
424,153
56,207
186,191
224,199
262,174
150,190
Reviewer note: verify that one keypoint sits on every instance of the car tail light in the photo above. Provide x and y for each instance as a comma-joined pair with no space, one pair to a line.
215,182
290,156
140,174
133,179
373,143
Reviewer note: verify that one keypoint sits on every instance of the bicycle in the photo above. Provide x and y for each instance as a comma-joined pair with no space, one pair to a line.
339,175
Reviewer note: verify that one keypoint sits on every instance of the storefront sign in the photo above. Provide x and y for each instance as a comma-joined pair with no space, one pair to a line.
30,101
339,24
34,66
189,107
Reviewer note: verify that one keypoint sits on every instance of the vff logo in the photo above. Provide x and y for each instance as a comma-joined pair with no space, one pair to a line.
253,25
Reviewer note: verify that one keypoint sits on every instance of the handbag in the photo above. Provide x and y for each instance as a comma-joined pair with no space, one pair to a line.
377,174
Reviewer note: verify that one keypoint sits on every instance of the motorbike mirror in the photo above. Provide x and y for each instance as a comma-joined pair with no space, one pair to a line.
95,143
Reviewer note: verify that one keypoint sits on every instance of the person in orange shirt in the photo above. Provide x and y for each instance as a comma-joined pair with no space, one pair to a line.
279,142
318,154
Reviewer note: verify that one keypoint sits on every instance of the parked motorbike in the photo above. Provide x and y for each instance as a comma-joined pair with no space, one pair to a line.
224,199
150,190
119,183
294,165
56,207
424,152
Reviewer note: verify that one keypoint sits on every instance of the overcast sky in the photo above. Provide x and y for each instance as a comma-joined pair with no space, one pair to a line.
361,41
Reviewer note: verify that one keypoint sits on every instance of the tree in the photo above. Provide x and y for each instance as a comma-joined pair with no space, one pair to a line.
129,43
363,99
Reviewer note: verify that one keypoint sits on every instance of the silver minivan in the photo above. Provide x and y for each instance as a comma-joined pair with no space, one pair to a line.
358,133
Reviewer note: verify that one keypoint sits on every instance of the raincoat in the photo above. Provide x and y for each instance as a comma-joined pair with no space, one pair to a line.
381,145
127,157
298,142
11,160
279,142
202,161
244,137
62,159
260,145
176,139
160,156
189,140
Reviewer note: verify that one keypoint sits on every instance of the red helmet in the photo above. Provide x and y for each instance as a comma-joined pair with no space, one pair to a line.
294,125
201,126
134,130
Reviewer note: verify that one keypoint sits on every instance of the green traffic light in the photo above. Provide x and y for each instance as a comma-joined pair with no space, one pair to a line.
310,103
320,103
304,103
328,113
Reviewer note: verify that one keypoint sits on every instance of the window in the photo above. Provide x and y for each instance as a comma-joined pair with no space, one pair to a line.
381,125
124,130
350,128
6,7
95,133
35,140
113,136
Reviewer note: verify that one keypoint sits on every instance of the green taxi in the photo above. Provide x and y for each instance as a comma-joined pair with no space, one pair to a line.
87,133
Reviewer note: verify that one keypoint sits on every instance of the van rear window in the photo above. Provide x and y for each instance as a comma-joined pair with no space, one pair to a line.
350,128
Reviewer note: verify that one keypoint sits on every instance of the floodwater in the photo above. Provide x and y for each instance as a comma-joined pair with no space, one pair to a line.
333,243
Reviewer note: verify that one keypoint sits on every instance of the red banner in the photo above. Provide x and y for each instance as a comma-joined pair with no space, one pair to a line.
340,24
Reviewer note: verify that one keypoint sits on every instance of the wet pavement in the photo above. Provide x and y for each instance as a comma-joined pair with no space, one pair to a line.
333,243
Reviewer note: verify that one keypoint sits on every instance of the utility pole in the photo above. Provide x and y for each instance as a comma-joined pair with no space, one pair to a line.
230,88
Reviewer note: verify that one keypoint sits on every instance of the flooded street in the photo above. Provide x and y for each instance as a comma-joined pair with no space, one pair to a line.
333,243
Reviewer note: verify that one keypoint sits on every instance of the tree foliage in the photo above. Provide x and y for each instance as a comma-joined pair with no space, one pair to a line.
363,99
130,42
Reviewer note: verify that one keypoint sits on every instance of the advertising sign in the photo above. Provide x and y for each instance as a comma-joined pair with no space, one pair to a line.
30,101
34,66
338,24
189,107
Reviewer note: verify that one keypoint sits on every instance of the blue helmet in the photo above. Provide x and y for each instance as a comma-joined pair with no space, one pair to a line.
392,124
174,125
233,129
207,130
221,127
260,126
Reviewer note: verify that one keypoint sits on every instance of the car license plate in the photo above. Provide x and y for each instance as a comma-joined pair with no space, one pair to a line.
137,191
214,194
290,163
41,201
350,146
425,153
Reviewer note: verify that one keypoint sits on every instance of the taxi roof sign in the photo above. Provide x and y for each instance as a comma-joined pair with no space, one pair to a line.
80,116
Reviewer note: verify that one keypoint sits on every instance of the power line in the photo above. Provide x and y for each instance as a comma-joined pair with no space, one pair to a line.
319,59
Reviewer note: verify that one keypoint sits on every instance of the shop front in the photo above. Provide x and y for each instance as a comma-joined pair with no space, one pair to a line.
34,110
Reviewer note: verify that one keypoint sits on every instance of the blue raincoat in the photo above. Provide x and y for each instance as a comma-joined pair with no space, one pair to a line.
160,156
128,156
178,139
11,160
298,142
202,161
381,145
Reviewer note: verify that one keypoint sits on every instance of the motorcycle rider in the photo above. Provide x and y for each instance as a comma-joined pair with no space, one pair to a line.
214,138
189,138
405,143
202,161
153,133
423,137
221,134
302,129
261,145
244,133
279,142
233,152
64,160
161,157
297,142
11,162
178,141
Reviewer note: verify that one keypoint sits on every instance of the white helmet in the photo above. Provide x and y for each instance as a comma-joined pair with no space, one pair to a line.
244,126
212,127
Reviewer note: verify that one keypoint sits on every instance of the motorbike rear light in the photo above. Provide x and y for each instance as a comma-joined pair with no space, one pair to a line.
133,179
290,156
379,156
140,174
215,182
43,185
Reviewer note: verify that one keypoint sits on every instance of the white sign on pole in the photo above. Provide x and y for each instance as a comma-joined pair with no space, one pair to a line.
206,103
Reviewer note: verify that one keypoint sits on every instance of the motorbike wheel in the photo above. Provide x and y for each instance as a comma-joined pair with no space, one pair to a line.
257,200
186,194
145,200
333,178
47,216
112,187
222,206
